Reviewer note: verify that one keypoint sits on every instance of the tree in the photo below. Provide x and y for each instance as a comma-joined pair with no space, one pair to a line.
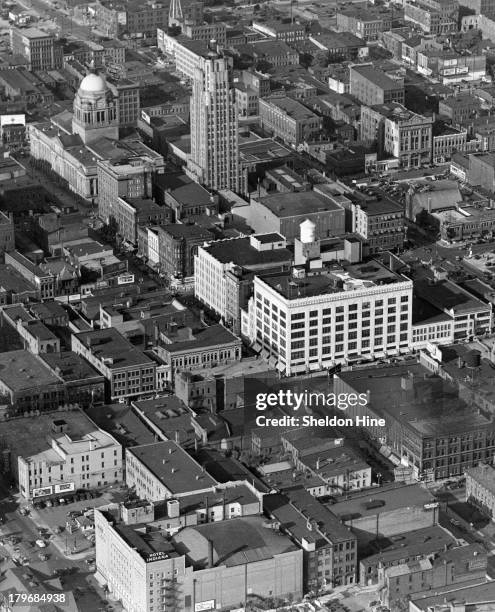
263,66
451,233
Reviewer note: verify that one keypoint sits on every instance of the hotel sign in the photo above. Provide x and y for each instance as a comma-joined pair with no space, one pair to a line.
65,487
204,605
43,491
156,556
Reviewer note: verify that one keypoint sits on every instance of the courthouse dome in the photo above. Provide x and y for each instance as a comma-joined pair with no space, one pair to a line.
93,83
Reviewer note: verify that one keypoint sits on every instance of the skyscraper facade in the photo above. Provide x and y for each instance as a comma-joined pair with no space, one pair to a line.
214,158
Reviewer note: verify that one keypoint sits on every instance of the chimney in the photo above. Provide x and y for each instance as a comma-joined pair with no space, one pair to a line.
210,553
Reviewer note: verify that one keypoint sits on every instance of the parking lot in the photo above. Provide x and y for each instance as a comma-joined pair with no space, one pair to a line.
80,542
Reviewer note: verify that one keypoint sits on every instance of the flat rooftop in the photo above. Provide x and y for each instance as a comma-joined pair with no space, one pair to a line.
478,598
21,370
411,395
191,192
185,230
39,330
70,366
115,151
424,313
170,464
33,33
335,279
292,108
240,252
333,40
111,344
226,469
298,204
446,295
480,380
380,205
417,542
11,281
145,543
235,542
209,336
271,48
377,77
170,416
31,438
122,423
16,312
240,494
245,367
48,309
262,151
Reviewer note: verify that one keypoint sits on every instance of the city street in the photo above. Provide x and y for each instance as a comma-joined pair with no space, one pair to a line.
61,19
18,535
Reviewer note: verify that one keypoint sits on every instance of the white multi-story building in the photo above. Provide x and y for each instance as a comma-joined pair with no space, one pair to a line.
223,271
468,315
153,245
185,52
164,470
203,567
408,137
58,453
315,320
214,158
438,330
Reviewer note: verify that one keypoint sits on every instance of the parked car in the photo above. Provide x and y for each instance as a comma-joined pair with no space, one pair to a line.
41,543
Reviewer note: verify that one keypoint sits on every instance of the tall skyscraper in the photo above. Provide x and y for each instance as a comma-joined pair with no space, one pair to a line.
214,158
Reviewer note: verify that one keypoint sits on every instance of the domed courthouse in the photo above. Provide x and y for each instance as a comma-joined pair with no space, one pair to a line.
95,110
73,143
